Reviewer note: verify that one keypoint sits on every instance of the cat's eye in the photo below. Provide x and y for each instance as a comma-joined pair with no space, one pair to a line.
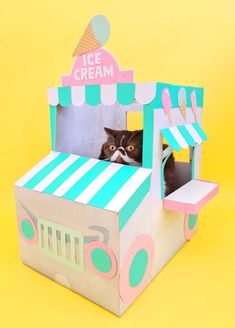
130,148
112,147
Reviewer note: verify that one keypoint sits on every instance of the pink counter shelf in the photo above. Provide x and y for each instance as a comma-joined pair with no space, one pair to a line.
191,197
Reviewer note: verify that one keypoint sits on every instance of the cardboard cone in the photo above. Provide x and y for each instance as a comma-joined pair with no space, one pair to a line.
95,35
183,110
87,43
182,102
194,104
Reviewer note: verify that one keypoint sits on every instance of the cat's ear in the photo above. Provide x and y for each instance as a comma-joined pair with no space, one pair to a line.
138,132
109,131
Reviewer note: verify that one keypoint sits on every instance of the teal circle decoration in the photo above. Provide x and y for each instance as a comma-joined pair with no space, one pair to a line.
27,229
138,268
192,221
101,260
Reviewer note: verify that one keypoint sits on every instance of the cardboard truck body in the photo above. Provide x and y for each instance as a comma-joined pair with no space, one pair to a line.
100,228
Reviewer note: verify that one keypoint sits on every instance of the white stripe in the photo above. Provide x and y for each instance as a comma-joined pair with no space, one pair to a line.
36,168
75,177
98,183
78,95
108,94
194,133
179,138
53,96
189,116
127,190
55,173
145,92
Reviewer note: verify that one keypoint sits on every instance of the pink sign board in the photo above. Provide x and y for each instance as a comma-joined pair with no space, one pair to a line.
96,67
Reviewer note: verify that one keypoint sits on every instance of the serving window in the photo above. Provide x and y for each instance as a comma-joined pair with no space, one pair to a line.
178,172
189,195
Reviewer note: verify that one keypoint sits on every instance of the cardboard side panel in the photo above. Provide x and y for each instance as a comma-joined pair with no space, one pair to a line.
164,228
139,225
95,236
168,234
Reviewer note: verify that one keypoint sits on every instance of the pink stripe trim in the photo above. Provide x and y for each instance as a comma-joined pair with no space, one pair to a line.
174,206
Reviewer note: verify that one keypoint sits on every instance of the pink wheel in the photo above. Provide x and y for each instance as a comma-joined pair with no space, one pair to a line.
101,259
190,225
27,229
136,268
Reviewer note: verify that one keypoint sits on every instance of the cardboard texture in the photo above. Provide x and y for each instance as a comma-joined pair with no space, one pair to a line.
99,228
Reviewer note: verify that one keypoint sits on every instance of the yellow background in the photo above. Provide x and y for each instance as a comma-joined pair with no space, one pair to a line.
183,42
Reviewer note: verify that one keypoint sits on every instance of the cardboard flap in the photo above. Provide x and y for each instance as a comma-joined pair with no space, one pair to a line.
191,197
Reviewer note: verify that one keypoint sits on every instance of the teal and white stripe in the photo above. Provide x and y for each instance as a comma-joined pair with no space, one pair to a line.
74,178
98,183
111,187
55,173
127,190
102,184
83,182
123,93
182,136
37,168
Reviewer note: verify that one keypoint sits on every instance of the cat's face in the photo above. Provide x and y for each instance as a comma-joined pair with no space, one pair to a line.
124,147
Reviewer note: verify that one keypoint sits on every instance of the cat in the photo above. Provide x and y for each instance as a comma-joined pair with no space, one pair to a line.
125,147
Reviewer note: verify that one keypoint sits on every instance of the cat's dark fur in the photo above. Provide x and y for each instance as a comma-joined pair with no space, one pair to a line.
125,147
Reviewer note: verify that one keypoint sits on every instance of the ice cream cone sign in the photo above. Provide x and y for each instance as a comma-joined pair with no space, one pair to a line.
166,102
182,102
95,35
194,104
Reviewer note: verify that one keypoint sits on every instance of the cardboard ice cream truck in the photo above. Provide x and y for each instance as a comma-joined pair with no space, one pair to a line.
105,229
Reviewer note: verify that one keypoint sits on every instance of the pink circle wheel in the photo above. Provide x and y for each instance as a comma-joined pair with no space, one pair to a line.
136,268
190,226
27,229
101,259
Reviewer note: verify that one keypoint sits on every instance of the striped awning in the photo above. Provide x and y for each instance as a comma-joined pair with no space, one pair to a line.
108,94
111,186
182,136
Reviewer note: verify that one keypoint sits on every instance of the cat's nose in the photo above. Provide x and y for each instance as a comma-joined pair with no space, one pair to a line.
121,150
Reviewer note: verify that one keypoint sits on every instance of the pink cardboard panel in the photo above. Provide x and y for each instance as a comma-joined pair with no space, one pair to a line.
96,67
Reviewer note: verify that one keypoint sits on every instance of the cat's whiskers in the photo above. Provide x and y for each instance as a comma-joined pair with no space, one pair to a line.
136,163
124,156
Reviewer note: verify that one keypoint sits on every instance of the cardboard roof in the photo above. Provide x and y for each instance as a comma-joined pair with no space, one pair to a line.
111,186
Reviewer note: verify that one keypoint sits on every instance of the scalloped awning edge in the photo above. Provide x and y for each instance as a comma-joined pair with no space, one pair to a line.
107,94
